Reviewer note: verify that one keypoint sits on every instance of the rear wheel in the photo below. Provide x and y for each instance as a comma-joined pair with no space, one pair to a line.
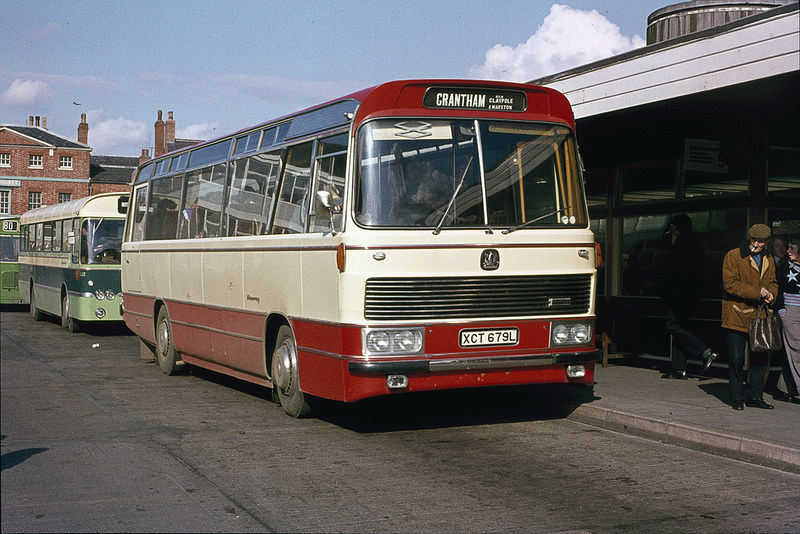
67,321
286,376
35,313
166,355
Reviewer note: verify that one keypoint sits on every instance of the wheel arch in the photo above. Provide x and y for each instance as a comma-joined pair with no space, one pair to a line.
157,305
271,326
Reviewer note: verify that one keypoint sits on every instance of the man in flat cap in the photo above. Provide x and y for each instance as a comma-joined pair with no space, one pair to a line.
748,277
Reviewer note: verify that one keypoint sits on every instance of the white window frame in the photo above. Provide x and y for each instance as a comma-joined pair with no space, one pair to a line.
65,163
5,159
5,202
31,203
64,197
32,158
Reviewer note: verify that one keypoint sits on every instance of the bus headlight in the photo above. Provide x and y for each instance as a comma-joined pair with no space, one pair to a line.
392,341
100,294
100,313
570,333
110,294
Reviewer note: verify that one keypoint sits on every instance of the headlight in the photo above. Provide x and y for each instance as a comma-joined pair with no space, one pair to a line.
392,341
571,333
110,294
100,294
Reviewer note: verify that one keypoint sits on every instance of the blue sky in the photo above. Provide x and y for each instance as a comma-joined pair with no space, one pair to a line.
226,64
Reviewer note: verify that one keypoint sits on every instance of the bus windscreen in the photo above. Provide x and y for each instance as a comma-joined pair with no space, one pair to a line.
411,171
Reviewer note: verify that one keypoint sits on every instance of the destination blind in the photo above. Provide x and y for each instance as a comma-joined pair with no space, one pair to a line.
472,98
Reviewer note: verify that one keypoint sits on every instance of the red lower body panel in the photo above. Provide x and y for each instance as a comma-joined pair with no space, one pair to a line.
331,364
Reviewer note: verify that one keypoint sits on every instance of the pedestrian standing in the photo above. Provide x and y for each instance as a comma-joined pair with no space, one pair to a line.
778,250
682,285
788,306
748,278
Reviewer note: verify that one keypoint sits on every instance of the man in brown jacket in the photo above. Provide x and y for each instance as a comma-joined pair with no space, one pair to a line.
748,277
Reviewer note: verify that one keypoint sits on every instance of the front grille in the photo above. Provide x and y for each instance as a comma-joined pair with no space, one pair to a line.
462,298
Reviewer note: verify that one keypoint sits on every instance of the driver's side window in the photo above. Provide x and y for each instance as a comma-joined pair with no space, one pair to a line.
330,179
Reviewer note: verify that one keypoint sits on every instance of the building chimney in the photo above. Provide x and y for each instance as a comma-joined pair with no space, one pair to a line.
37,120
44,122
83,130
160,142
169,130
145,156
30,120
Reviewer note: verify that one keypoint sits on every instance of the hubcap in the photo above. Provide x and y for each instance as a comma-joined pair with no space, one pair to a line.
284,365
163,338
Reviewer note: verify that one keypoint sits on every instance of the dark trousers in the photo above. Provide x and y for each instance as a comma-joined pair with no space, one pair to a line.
754,388
684,342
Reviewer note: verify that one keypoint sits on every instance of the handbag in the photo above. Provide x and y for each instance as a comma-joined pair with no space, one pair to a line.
765,332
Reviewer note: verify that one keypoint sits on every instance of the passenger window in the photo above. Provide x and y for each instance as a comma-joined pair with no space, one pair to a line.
39,237
57,237
292,209
162,219
251,194
202,214
48,236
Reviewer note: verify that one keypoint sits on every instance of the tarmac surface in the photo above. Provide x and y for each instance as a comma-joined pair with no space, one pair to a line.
632,398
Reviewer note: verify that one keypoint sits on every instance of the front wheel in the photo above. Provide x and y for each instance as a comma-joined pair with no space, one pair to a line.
67,321
166,355
286,375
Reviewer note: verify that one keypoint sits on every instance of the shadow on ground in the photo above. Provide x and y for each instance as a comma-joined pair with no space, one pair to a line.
436,409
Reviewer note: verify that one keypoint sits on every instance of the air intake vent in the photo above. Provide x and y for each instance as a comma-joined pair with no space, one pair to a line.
484,297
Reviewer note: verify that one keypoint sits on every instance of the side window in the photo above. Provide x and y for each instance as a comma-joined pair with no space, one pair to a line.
68,227
162,217
138,209
83,241
57,236
39,238
30,237
47,243
202,214
251,194
292,209
330,179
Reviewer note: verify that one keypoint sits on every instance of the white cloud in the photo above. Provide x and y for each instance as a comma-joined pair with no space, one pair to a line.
567,38
26,92
105,135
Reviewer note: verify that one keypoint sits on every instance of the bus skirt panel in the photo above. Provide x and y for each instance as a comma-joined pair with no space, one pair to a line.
350,381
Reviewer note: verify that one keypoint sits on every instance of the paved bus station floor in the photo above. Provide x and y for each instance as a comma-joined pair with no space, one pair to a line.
631,397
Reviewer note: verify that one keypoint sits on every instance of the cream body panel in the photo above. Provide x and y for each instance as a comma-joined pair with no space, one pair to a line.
458,253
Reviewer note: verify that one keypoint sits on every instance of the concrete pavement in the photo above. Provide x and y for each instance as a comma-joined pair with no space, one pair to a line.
632,398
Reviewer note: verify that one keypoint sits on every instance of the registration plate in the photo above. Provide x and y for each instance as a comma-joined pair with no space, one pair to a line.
485,338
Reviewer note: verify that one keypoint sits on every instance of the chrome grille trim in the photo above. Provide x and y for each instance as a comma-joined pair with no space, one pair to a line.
478,297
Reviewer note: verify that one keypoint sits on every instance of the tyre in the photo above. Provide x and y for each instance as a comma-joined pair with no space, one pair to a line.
286,376
68,322
35,313
166,355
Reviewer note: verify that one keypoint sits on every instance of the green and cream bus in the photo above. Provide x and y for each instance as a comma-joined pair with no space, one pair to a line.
69,262
9,257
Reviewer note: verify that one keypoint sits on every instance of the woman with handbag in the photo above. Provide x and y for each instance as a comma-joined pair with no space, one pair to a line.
788,307
748,278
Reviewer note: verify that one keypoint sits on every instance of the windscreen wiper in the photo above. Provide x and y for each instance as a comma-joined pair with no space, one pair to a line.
546,215
453,198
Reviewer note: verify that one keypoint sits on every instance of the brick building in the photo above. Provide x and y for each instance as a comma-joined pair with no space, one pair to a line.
39,167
